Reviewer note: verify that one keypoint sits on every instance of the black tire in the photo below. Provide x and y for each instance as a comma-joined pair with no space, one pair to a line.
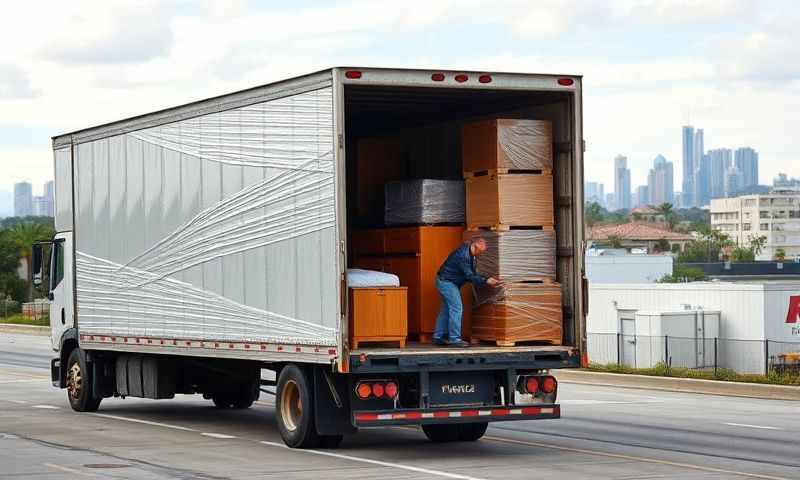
79,384
442,433
330,441
294,408
471,432
241,398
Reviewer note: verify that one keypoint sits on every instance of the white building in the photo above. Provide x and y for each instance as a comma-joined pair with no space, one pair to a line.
775,216
626,268
755,321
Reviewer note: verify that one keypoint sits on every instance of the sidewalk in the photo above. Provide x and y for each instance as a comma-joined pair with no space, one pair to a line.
686,385
25,329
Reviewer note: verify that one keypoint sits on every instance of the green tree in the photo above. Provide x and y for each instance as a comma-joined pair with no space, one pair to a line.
662,245
742,254
707,248
614,241
682,273
24,235
666,210
780,254
594,213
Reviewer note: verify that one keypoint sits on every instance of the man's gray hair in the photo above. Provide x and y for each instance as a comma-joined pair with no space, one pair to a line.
477,239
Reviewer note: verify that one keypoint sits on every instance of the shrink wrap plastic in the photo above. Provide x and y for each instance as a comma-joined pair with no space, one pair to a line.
509,144
424,201
518,312
223,228
516,255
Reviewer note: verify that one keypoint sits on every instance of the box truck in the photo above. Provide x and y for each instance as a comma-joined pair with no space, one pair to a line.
200,245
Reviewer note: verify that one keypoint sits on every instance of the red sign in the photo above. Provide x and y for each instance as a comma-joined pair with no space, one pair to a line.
794,309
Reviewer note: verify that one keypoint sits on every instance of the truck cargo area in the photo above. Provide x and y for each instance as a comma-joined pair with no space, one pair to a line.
412,133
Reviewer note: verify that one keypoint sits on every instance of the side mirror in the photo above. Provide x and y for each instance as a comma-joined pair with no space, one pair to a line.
36,264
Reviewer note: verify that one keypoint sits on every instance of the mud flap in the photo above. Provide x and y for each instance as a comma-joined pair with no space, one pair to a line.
332,411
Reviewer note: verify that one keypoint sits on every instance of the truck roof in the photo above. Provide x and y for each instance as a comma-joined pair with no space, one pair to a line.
309,81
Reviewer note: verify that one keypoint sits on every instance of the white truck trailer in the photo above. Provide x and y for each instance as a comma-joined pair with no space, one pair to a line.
198,245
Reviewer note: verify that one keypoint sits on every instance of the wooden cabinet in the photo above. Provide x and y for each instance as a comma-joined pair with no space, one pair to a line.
415,254
378,315
507,200
378,160
506,143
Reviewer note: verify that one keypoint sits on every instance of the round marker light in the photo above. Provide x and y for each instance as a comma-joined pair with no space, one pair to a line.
549,385
363,391
378,389
461,78
437,77
391,389
532,385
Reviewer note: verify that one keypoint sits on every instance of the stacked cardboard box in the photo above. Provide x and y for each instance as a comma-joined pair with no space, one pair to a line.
509,187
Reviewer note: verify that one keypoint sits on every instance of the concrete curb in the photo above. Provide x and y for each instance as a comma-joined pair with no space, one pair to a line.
24,329
686,385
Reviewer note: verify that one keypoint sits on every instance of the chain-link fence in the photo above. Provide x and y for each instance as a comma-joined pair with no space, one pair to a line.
741,356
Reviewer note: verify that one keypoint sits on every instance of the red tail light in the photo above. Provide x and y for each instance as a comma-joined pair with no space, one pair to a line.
378,389
391,389
532,385
485,78
437,77
352,74
461,78
363,390
565,82
549,385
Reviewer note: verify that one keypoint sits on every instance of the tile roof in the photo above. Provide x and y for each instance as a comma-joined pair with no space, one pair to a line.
636,231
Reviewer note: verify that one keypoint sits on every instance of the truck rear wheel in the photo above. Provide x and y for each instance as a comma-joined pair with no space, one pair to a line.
79,384
247,393
294,406
464,432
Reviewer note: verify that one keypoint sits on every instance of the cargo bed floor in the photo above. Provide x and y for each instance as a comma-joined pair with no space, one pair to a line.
415,348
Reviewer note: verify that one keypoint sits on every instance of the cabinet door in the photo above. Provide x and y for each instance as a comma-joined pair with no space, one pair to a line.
408,270
368,312
395,322
402,240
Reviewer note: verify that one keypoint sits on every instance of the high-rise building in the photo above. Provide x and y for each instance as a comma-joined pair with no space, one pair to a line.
622,183
746,160
610,198
783,180
23,199
642,196
688,166
702,181
732,181
660,181
594,192
719,163
42,207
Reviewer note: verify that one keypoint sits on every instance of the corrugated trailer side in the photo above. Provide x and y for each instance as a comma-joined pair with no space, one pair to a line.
210,229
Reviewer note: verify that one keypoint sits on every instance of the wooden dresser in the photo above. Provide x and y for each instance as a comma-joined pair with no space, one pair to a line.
414,254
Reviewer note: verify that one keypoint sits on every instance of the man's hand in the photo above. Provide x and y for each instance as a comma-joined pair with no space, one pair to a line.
494,282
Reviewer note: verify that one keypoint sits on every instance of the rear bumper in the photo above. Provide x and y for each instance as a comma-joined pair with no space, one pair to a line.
455,415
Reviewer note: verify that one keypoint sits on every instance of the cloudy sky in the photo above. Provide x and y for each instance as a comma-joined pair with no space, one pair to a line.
650,66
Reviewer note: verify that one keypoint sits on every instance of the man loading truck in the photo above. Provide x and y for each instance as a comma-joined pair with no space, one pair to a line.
457,269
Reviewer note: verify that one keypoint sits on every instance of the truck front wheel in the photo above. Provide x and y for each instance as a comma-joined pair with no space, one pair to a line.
79,384
295,409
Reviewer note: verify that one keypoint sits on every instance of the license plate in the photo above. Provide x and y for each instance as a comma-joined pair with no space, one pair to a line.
461,388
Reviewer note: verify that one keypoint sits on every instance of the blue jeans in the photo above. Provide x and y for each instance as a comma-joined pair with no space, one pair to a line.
448,323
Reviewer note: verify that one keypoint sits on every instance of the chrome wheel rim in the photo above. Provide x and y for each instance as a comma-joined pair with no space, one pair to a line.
291,405
74,380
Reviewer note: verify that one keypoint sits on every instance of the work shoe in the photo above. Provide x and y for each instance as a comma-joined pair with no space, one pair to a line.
439,341
459,343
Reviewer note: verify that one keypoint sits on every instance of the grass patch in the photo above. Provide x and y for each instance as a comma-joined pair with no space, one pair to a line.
20,319
722,374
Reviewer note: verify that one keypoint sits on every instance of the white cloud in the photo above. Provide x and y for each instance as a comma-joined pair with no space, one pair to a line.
15,83
683,12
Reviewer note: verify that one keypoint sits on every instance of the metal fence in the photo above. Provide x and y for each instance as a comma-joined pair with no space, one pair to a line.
640,351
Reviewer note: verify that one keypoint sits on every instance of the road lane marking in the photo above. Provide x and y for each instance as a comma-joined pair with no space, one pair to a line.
45,407
607,402
631,457
217,435
20,402
70,470
400,466
145,422
762,427
21,380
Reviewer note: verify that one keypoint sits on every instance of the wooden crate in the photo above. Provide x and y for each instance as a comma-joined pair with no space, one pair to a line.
507,200
378,315
415,254
521,312
506,143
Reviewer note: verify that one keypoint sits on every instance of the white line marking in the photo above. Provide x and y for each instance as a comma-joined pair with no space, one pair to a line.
145,422
629,457
20,402
45,407
70,470
606,402
22,380
217,435
752,426
436,473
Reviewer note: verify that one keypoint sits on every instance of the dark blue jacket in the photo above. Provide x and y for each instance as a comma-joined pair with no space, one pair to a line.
460,268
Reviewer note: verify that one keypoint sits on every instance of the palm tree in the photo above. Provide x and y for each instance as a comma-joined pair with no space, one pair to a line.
24,235
665,209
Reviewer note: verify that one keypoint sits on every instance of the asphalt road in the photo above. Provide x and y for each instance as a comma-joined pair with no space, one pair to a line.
605,433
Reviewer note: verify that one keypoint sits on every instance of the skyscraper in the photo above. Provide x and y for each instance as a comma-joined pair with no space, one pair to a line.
594,192
23,199
702,181
719,162
746,160
660,181
622,183
732,181
642,196
688,166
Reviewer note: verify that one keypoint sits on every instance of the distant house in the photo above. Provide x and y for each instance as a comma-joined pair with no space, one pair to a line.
643,235
647,214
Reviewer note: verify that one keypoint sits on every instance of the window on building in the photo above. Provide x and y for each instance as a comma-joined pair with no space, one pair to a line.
763,214
746,227
764,226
